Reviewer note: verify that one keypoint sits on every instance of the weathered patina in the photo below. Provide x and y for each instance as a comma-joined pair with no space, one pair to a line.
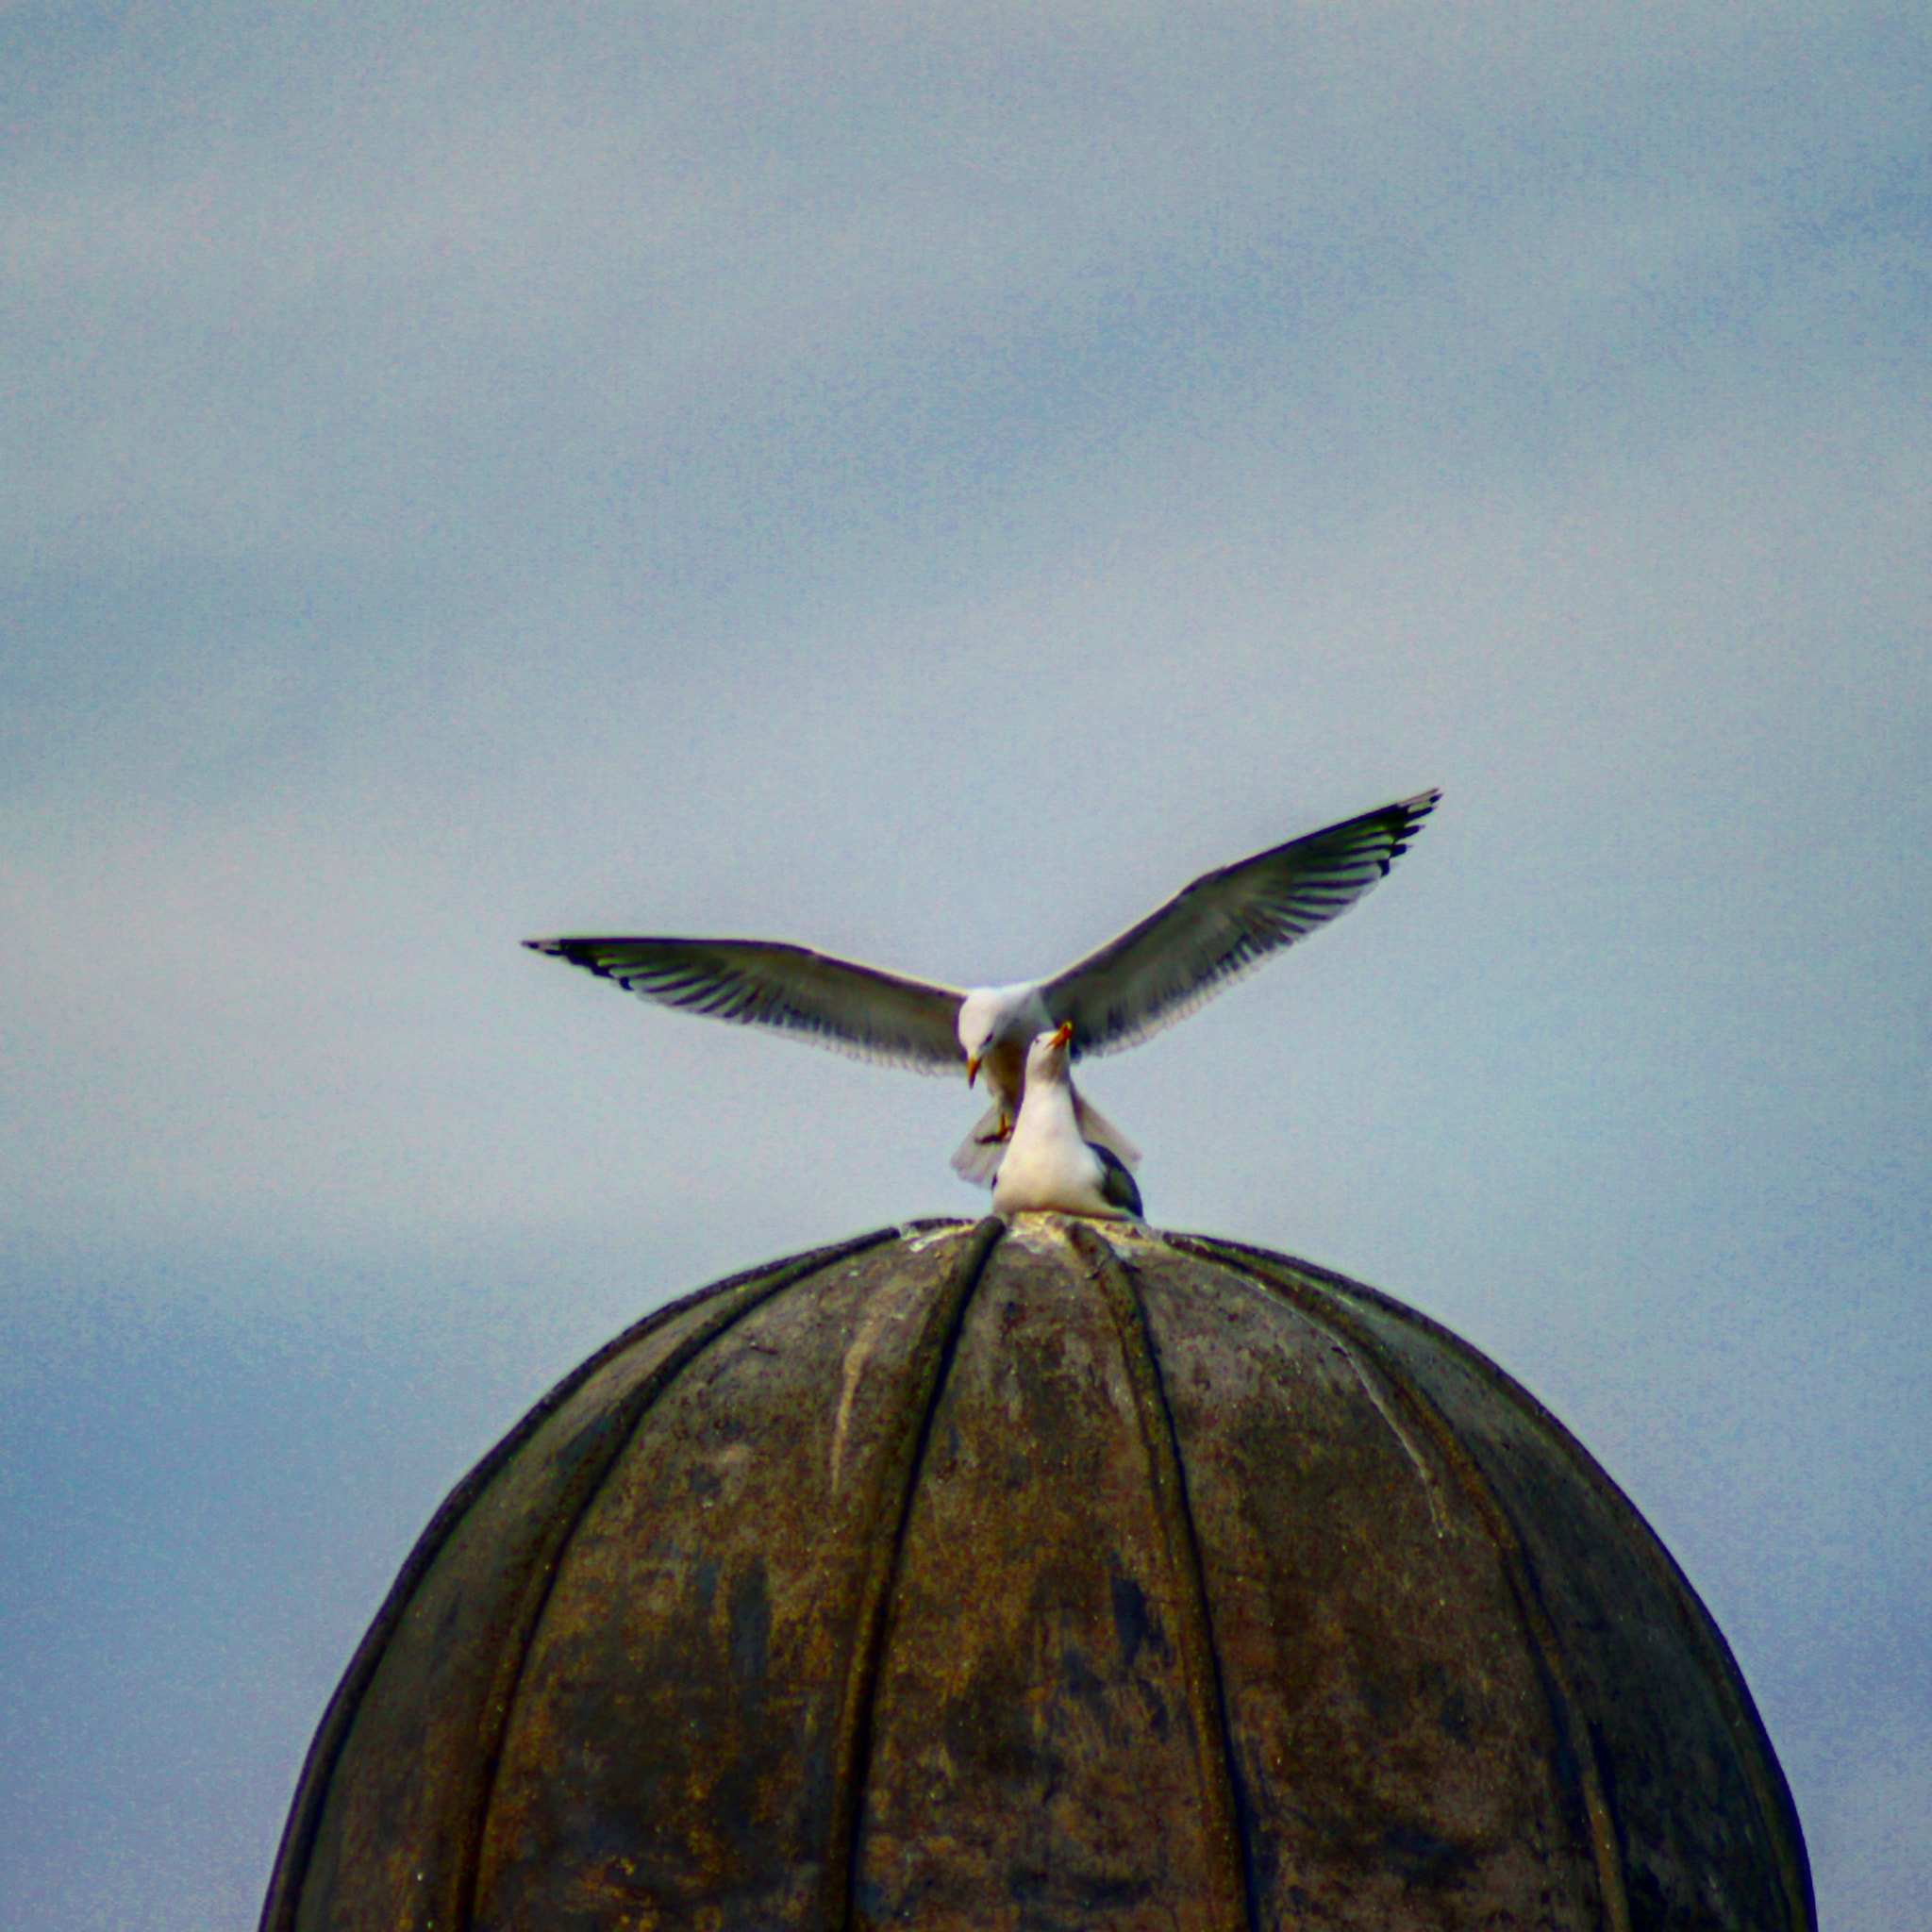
1058,1576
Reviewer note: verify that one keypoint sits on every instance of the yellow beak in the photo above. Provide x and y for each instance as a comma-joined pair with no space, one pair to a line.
971,1068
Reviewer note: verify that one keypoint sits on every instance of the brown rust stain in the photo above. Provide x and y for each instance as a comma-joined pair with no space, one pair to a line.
391,1815
1230,1890
1398,1755
1689,1817
1695,1810
1036,1754
680,1742
897,1486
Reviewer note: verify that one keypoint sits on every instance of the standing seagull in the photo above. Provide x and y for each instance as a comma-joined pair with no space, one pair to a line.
1049,1162
1204,939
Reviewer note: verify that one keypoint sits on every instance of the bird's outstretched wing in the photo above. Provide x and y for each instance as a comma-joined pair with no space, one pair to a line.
851,1009
1225,925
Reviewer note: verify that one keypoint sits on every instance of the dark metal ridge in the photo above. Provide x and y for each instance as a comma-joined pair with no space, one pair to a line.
743,1291
900,1467
735,1305
1778,1810
1234,1905
1321,1311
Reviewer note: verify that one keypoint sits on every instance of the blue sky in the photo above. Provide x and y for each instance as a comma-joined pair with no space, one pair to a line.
926,482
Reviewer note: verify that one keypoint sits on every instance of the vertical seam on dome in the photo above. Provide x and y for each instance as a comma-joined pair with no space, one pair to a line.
1495,1518
1763,1774
902,1467
1238,1905
742,1298
313,1785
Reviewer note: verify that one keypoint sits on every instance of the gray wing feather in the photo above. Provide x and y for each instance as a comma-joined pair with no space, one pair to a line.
1225,925
852,1008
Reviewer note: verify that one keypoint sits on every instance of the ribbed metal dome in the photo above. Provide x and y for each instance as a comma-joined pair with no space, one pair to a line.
1053,1577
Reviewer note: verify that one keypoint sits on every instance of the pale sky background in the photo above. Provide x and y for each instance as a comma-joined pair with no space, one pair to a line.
926,482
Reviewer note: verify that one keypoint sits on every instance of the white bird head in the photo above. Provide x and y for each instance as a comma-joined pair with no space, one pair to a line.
1046,1059
986,1014
978,1017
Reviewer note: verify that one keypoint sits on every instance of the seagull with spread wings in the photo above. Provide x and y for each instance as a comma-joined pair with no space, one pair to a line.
1203,940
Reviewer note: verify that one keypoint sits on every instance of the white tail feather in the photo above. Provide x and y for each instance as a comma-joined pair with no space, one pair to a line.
979,1156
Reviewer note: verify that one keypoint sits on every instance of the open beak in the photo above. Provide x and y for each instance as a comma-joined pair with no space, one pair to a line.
1064,1032
971,1068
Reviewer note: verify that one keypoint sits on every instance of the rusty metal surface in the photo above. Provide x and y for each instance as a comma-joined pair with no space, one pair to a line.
1702,1820
674,1755
1398,1759
1037,1757
397,1808
1044,1579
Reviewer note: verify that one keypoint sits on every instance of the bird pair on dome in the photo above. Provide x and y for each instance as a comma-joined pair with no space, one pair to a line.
1208,936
